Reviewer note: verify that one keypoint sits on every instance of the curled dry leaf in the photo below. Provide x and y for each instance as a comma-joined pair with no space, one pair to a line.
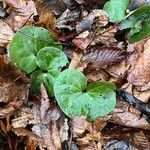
23,117
143,96
13,84
80,125
76,58
47,127
64,135
6,34
141,141
87,21
20,13
126,115
105,37
67,19
32,138
100,57
9,108
140,74
86,134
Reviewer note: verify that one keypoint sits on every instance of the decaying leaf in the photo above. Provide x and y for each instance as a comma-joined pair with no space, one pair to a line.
140,74
141,141
32,138
45,16
64,128
6,34
86,22
66,20
76,58
47,127
126,115
80,125
100,57
20,12
13,84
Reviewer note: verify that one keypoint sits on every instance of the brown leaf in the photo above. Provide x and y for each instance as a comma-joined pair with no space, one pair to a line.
64,130
23,117
75,60
100,57
13,84
6,34
141,141
87,21
105,37
20,13
80,125
47,127
57,7
9,108
93,75
83,40
126,115
143,96
67,19
45,16
33,139
140,74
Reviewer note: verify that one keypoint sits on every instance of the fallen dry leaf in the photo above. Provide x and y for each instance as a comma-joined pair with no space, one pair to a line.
20,12
100,57
6,34
87,21
140,74
80,125
126,115
64,131
76,58
141,141
47,126
45,16
13,84
95,75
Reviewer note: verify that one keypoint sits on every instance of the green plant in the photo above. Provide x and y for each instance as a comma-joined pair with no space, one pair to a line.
138,22
76,98
34,51
116,9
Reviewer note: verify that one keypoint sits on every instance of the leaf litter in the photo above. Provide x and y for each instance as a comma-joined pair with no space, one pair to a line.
92,45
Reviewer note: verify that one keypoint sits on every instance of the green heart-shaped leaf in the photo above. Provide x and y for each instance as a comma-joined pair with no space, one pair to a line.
75,98
25,45
116,9
51,58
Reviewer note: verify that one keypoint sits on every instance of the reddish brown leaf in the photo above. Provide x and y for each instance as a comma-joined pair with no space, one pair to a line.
100,57
126,115
141,141
20,13
140,73
13,84
87,21
6,34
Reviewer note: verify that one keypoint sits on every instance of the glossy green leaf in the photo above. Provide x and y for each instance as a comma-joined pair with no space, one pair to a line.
76,98
48,79
116,9
51,58
25,45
